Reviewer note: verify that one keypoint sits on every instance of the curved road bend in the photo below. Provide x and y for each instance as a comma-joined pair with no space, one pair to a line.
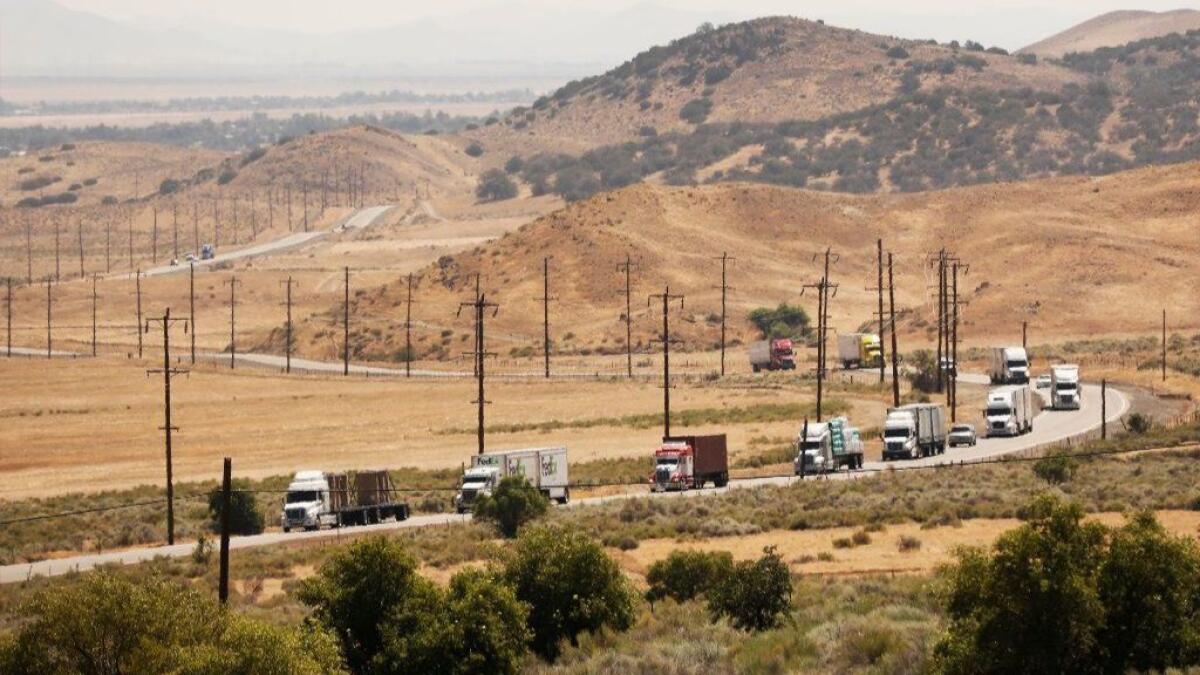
1049,426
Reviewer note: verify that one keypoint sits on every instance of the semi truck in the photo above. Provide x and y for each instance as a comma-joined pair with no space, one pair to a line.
688,462
828,447
316,499
1064,387
1009,365
1009,411
771,355
914,430
207,252
859,350
544,468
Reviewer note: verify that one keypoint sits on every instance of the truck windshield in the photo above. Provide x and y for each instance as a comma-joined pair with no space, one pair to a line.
895,433
473,484
998,411
668,461
1013,363
811,445
1064,386
297,496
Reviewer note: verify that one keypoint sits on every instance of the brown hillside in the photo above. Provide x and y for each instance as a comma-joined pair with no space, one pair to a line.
1114,29
1075,256
773,69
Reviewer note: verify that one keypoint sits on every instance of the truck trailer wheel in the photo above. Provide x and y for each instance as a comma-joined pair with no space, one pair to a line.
721,480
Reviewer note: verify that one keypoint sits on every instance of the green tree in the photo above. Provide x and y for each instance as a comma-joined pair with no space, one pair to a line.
1150,587
754,594
474,150
105,623
1032,605
570,585
922,370
683,575
1057,467
494,186
514,164
244,515
784,321
363,589
513,503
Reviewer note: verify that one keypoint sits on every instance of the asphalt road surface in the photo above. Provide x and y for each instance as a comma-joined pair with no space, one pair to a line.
1050,426
361,219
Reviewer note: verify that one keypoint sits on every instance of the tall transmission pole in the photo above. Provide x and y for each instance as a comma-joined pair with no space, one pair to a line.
627,267
137,278
287,368
175,229
724,288
304,204
107,246
882,357
57,266
665,338
192,306
892,331
823,286
168,372
233,282
154,238
546,298
196,227
95,302
130,226
480,305
28,250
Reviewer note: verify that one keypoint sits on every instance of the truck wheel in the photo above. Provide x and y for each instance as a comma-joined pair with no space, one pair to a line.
286,530
756,368
721,480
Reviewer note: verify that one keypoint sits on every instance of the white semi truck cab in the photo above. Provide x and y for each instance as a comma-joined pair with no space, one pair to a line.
1009,411
544,468
306,504
1009,365
1064,387
899,436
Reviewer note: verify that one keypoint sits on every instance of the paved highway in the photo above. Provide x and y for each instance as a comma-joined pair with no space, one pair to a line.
1049,427
360,219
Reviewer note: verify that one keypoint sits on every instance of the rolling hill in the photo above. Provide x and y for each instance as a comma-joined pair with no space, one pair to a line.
1075,256
1115,29
761,71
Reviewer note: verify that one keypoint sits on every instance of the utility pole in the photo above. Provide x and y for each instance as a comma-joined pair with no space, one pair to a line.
287,368
892,330
82,273
1025,336
480,306
137,277
823,287
233,282
28,251
289,207
725,288
130,226
666,340
324,190
192,305
271,206
168,372
408,350
175,229
253,219
107,246
154,238
235,220
216,222
346,327
95,298
955,302
941,317
226,489
1103,409
57,267
8,314
546,313
1164,345
196,227
882,357
49,304
627,268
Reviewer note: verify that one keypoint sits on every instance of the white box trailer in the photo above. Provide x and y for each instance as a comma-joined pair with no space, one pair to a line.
916,429
1009,411
544,468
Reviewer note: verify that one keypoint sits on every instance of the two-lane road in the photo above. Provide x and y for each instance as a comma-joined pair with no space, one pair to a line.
1049,427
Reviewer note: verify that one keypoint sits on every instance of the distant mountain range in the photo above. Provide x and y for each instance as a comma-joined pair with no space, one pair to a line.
41,37
1114,29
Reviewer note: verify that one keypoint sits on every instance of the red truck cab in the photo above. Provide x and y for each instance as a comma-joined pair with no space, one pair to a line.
688,462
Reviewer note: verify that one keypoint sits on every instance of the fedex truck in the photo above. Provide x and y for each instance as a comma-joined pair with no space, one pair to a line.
544,468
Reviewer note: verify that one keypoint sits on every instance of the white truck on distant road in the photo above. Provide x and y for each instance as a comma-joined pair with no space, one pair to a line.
859,350
544,468
315,499
828,447
1009,365
1009,411
914,430
1064,387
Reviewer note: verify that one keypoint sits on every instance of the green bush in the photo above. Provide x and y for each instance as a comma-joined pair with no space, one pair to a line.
570,585
1139,423
899,53
1057,467
683,575
108,623
755,593
244,515
696,110
474,150
495,185
514,164
168,186
513,503
784,321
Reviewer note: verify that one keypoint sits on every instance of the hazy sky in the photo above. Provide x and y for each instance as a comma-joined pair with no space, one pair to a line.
1008,23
